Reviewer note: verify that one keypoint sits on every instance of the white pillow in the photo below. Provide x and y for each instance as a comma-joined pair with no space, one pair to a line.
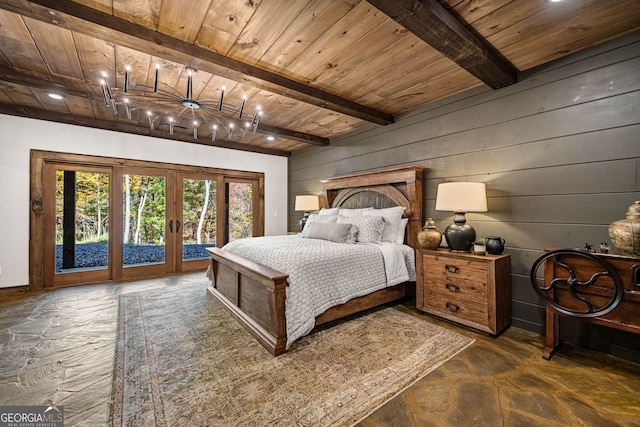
353,212
323,219
392,219
401,231
329,211
369,227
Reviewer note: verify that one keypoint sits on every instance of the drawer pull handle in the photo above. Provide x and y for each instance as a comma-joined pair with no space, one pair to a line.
451,268
452,307
451,287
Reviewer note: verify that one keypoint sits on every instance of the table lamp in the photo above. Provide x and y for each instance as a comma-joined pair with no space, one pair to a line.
461,197
306,204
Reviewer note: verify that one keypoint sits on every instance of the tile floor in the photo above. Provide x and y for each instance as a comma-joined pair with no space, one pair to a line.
58,346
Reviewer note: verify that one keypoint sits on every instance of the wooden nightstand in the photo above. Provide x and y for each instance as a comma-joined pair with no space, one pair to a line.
472,290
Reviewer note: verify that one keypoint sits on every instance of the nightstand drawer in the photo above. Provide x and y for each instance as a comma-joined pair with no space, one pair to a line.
454,308
458,288
452,269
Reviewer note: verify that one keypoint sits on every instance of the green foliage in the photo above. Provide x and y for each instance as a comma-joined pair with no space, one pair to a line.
240,210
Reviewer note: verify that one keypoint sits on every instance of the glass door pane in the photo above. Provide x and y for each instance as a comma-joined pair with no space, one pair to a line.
144,220
240,202
81,221
199,215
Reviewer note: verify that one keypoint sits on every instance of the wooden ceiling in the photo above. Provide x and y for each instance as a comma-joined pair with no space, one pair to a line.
318,68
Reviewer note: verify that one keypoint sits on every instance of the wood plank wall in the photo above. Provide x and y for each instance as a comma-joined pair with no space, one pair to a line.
559,152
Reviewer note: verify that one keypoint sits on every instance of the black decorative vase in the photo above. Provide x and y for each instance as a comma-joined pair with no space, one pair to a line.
495,245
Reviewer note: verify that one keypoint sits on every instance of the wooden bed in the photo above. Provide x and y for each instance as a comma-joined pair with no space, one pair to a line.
255,294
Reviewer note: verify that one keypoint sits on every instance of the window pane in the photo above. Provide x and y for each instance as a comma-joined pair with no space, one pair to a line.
144,219
240,210
82,220
198,217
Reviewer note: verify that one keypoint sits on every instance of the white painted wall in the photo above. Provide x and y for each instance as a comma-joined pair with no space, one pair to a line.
19,135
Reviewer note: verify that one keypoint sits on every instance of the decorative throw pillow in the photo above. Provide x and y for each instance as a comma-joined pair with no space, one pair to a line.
401,231
392,219
332,232
353,212
329,211
323,219
369,227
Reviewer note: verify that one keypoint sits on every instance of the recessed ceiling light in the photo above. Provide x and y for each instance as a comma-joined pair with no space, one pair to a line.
55,96
270,138
555,1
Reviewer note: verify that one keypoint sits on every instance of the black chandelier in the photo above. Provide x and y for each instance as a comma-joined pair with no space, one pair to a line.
165,105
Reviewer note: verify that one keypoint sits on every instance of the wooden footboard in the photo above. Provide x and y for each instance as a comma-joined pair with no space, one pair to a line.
253,294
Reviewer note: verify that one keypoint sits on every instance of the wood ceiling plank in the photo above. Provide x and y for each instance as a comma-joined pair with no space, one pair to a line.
355,25
384,67
509,15
17,45
425,63
437,87
141,12
20,94
433,24
105,6
49,103
224,23
96,57
57,47
371,45
271,19
4,98
79,106
307,28
535,39
78,18
182,19
471,11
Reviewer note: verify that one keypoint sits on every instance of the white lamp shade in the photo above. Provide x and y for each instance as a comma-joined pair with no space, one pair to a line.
461,197
307,203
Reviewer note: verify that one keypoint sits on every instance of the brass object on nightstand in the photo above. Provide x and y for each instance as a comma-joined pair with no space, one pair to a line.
430,237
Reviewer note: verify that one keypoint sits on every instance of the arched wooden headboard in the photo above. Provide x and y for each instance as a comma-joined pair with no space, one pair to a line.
381,189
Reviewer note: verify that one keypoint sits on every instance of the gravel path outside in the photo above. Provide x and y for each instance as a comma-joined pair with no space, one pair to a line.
90,255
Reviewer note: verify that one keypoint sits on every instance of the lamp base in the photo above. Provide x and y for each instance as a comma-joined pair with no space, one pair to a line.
303,221
460,237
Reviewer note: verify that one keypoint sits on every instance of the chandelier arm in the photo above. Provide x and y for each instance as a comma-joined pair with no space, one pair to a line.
180,113
203,117
174,90
147,91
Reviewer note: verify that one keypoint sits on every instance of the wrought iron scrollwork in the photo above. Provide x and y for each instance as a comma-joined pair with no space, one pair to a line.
574,286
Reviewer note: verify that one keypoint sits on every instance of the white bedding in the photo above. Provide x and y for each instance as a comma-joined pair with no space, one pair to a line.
323,274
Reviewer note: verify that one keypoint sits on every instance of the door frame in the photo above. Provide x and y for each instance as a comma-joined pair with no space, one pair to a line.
37,209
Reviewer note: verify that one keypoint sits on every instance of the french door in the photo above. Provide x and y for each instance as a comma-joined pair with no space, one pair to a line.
113,219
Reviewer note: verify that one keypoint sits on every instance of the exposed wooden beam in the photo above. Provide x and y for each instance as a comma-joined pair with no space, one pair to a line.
77,17
429,21
38,113
81,89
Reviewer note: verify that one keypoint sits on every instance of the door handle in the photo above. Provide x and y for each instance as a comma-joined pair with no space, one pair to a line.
171,226
177,225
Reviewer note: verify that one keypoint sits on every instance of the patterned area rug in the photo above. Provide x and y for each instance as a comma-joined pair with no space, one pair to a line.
182,360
